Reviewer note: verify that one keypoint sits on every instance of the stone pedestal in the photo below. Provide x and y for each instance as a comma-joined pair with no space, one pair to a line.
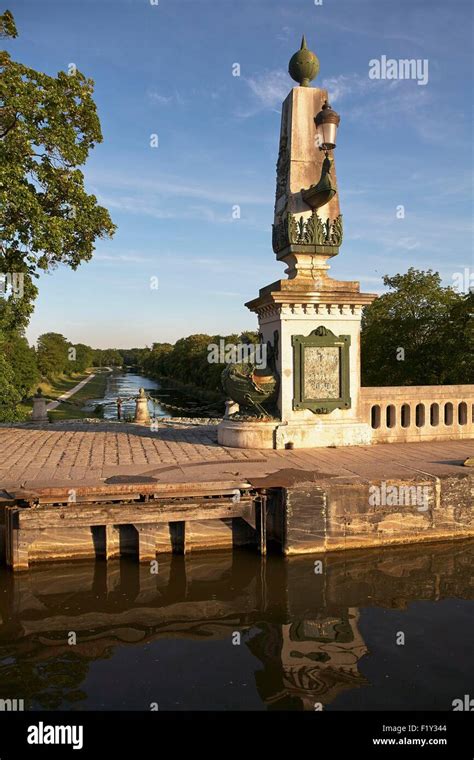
142,414
39,409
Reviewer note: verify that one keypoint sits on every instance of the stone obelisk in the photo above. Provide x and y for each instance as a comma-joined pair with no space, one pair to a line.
311,319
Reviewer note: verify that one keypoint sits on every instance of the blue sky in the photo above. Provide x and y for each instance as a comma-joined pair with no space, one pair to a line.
166,69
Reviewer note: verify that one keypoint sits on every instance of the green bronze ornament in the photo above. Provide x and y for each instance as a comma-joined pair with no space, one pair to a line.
320,194
304,65
253,387
310,232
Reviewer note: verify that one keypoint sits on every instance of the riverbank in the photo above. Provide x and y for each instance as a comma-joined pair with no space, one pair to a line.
63,384
75,407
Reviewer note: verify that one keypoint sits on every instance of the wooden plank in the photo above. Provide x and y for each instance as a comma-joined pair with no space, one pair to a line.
55,494
143,512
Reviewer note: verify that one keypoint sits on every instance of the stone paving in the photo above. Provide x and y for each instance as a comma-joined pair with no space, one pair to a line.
88,453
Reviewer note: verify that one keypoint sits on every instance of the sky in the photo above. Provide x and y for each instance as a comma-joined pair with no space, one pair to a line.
165,68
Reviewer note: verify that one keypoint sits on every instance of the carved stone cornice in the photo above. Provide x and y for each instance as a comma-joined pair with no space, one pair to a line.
293,298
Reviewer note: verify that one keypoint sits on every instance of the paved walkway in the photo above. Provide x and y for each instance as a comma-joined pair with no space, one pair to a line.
88,453
68,394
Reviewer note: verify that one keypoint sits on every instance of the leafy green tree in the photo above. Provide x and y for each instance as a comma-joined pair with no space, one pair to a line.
133,357
48,125
106,357
52,354
83,358
10,397
188,360
22,361
417,333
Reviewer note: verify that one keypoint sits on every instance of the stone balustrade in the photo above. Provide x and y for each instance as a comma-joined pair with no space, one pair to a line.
419,412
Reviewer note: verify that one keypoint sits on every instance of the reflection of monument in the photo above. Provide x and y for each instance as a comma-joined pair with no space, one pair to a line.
314,318
312,661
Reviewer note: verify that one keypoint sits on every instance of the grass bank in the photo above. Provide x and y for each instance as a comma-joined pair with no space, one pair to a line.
72,409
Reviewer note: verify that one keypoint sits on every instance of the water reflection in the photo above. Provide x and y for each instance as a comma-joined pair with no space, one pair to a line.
306,638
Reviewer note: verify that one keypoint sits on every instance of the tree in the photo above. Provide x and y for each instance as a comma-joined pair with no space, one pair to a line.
52,354
106,357
22,360
82,357
417,333
48,125
9,395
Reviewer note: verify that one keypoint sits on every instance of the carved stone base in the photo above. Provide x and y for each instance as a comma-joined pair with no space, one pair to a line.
296,435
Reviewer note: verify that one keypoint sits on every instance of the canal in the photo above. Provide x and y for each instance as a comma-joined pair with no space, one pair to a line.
388,628
126,385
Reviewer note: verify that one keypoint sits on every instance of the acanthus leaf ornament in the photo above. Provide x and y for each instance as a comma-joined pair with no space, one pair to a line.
311,231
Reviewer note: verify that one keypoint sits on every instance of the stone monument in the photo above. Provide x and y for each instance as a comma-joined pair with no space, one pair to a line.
311,320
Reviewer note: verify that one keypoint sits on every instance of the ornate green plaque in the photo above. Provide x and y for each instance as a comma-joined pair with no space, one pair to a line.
321,371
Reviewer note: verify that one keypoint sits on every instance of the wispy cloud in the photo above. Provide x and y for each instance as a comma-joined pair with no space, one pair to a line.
172,186
153,207
116,258
284,34
163,100
389,98
268,90
345,85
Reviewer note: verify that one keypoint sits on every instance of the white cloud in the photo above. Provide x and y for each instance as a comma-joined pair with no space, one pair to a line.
270,88
344,85
136,205
172,186
408,243
117,257
163,100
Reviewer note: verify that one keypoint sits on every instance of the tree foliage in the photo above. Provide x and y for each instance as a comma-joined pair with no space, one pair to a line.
48,125
9,395
22,360
107,357
83,358
52,354
188,360
419,333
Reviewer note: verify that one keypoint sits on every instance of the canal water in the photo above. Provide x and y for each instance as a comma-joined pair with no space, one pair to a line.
373,630
126,385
